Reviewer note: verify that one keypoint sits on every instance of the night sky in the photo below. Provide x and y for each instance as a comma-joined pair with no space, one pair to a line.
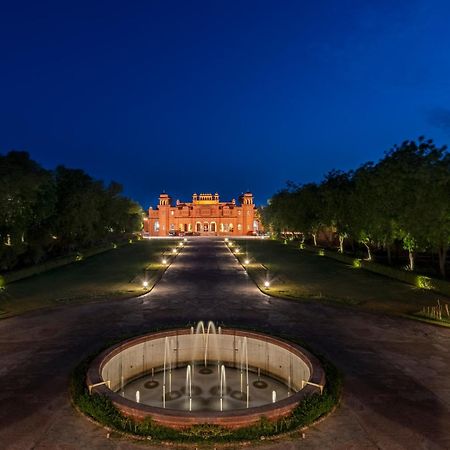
222,96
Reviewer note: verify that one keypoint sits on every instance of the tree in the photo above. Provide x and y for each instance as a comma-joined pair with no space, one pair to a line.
46,213
27,203
420,196
335,191
309,210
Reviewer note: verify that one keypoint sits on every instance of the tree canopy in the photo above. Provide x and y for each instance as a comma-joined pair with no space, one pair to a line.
45,213
405,197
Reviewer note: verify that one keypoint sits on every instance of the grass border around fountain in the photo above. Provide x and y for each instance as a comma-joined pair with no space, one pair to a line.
101,410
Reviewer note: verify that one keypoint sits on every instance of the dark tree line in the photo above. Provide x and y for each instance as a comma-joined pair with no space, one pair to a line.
47,213
403,199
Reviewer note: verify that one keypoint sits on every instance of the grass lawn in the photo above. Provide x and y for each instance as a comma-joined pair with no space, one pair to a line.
301,274
117,273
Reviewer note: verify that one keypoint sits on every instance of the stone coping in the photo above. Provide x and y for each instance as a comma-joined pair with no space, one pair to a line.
232,418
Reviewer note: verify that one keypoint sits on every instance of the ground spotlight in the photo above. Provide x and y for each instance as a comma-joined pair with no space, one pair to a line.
266,284
145,284
164,261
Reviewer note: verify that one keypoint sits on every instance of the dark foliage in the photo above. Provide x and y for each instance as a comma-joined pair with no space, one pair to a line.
45,213
402,201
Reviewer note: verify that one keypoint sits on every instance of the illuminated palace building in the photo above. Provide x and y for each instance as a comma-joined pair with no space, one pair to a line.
205,215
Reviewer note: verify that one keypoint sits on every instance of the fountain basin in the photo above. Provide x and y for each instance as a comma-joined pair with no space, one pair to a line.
136,359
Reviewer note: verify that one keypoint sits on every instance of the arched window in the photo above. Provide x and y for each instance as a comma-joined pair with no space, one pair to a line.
230,227
156,226
239,227
213,227
198,227
205,227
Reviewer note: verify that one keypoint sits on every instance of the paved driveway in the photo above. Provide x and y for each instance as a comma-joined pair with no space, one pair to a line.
397,372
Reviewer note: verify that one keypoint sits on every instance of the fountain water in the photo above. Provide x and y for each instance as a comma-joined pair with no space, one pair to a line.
167,363
223,385
253,370
210,330
189,385
244,359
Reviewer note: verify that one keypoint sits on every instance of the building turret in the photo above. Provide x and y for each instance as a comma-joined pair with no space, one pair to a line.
164,213
248,211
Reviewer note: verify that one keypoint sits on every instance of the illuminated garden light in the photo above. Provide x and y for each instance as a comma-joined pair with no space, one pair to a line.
164,261
185,239
267,284
145,284
174,250
247,261
226,239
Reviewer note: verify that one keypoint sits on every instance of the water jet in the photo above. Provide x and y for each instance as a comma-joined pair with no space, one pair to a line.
197,375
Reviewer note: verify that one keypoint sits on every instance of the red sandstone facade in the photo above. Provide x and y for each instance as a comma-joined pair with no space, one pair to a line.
205,215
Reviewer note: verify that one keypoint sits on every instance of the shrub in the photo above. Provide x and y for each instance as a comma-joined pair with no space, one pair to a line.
424,282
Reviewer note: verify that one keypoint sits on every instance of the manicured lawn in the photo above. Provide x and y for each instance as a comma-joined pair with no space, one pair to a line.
301,274
117,273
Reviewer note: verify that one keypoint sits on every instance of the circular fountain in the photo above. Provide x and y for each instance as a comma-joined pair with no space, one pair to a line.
183,377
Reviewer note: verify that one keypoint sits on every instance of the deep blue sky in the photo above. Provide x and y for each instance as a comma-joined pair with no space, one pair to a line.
220,95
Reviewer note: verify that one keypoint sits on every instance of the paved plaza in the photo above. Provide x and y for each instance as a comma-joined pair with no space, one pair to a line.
397,371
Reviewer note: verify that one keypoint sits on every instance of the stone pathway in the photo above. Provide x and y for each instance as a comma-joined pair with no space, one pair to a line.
397,372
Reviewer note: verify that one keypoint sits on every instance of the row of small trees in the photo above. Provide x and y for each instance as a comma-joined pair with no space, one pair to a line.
47,213
404,198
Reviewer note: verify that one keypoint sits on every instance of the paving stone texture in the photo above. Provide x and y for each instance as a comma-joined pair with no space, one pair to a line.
397,371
